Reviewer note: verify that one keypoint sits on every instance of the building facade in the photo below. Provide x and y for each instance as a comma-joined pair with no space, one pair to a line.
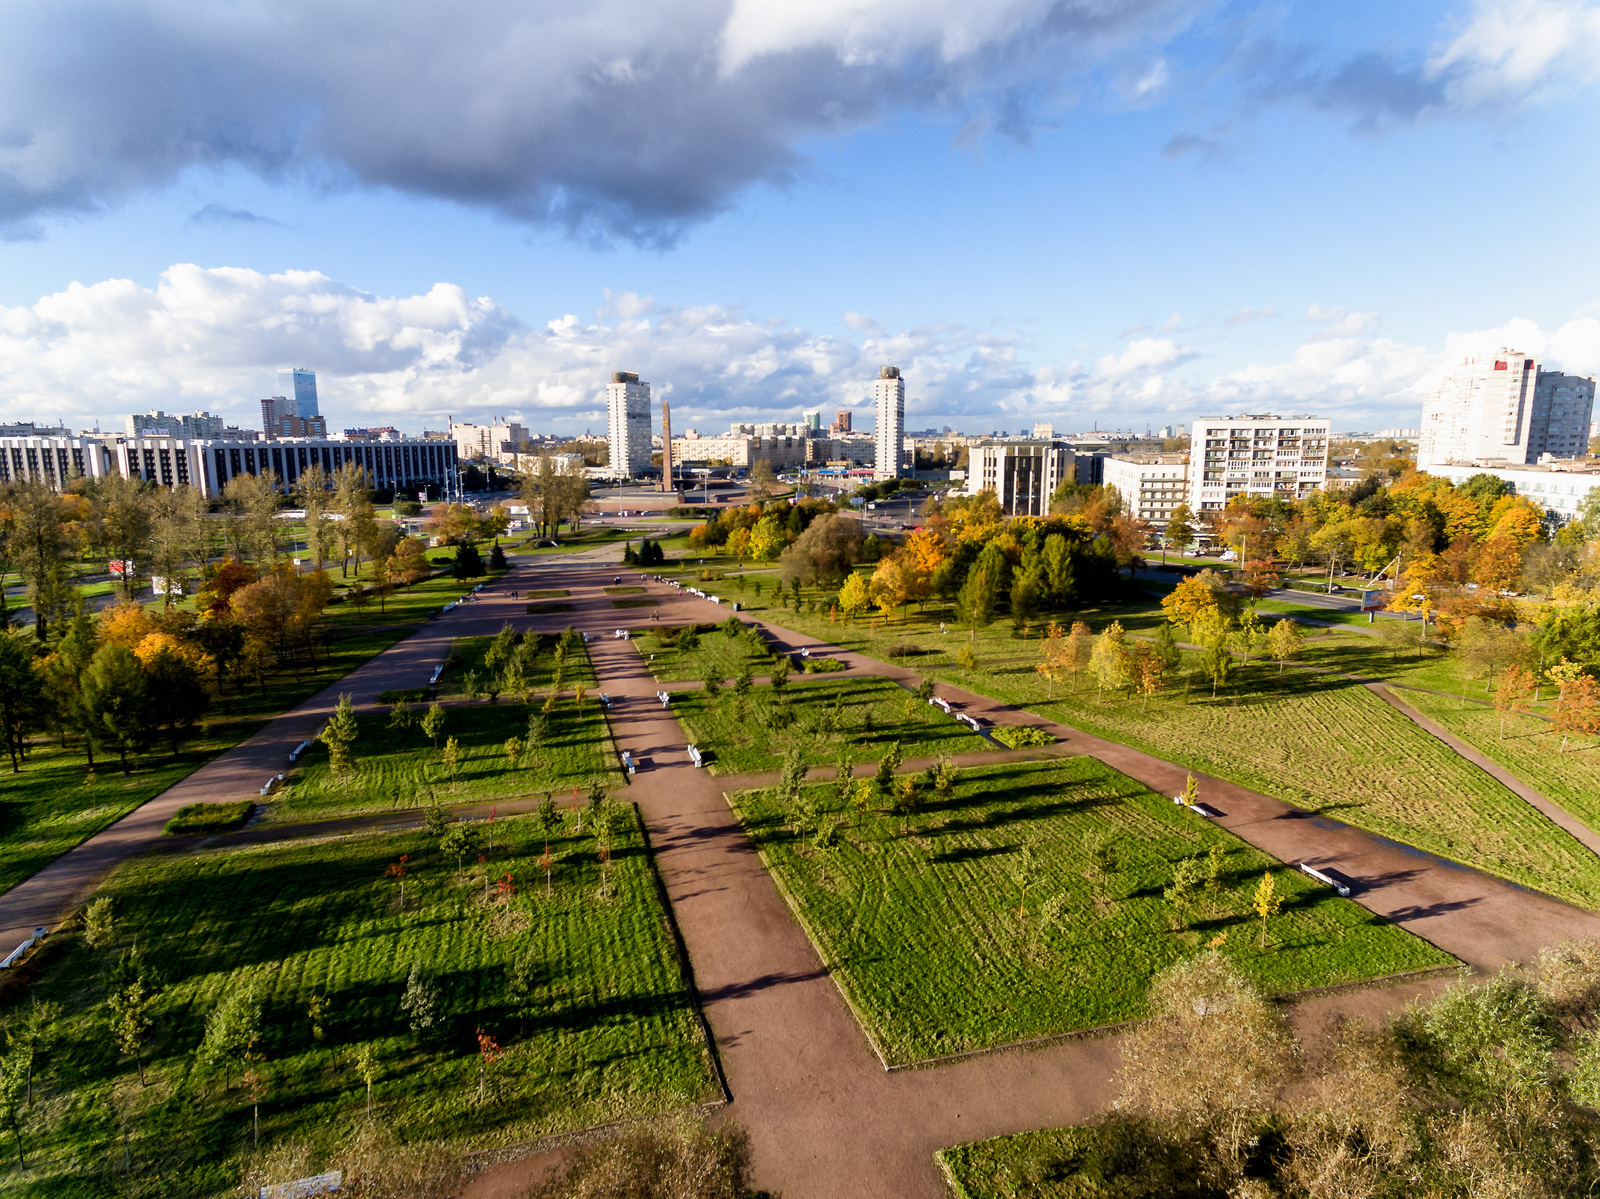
1022,473
207,464
841,421
1151,485
53,458
1559,487
300,386
628,424
156,422
890,395
1256,456
1502,406
493,441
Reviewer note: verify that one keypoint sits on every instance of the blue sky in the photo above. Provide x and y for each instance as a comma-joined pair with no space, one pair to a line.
1087,211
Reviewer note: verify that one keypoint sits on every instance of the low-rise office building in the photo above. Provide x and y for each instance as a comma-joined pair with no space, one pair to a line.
1151,485
1022,473
1558,486
54,458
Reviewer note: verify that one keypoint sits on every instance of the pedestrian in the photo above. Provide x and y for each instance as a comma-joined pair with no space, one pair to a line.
942,630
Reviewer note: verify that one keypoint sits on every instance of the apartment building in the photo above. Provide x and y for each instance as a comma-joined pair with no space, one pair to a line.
1560,487
1503,407
889,393
491,441
53,458
1022,473
628,425
1255,455
1151,485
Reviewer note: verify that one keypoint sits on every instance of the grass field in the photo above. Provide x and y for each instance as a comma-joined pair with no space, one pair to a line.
1531,750
579,671
865,716
400,768
49,808
720,653
922,920
1021,1164
1329,746
405,605
596,1023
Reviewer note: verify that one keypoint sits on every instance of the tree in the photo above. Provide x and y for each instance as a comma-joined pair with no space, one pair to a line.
339,735
99,922
433,725
1148,675
1577,709
175,687
458,841
368,1068
409,562
853,597
1024,870
1191,597
1180,893
1284,642
253,503
450,756
766,539
38,540
420,1002
981,592
1079,648
823,553
1514,695
130,1005
1180,526
883,777
468,563
1109,658
762,480
1215,636
232,1030
114,697
13,1068
1266,903
497,557
177,538
21,696
887,588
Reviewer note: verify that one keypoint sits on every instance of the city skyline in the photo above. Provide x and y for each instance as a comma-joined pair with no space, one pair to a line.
1263,225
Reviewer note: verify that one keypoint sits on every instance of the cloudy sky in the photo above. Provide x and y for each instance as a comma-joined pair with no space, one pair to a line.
1096,212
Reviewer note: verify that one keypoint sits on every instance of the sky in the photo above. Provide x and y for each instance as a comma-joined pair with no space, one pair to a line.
1112,214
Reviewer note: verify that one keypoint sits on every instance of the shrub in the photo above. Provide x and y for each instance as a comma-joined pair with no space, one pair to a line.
823,665
210,817
1021,736
547,609
403,695
665,1160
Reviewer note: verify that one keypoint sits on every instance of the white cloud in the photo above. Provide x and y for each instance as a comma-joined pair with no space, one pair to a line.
1515,50
1338,323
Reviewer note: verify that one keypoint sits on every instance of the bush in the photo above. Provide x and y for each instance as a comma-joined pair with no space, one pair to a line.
403,695
468,563
633,603
907,649
547,609
210,817
672,1159
823,665
1021,736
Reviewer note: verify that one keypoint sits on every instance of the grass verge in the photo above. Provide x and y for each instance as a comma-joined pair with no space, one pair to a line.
210,817
582,993
926,922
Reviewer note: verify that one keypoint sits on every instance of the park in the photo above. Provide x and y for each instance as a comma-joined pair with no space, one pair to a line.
494,903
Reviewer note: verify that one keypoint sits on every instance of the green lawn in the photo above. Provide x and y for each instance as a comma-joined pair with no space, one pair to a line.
1025,1163
1329,746
1531,750
718,652
920,921
467,653
603,1030
398,768
405,605
865,716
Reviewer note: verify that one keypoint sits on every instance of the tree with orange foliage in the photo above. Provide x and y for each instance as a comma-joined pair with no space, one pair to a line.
126,625
1498,564
1577,711
1514,695
216,597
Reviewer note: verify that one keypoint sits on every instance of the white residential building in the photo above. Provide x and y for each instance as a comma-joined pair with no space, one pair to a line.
53,458
156,422
1560,487
492,441
890,394
1022,473
1151,485
1502,406
1250,455
628,425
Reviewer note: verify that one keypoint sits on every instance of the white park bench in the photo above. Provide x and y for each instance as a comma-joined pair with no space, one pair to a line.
605,698
437,671
266,788
1327,879
627,761
12,958
665,698
942,704
299,749
696,757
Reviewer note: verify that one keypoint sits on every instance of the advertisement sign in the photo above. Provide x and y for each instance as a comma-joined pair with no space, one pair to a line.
1373,601
120,567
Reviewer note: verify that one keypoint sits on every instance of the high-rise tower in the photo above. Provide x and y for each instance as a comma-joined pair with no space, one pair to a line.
299,387
628,424
890,392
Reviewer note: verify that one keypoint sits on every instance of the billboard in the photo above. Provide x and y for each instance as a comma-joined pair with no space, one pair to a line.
1373,601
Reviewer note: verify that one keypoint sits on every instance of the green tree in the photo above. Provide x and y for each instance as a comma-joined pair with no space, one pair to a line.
421,1002
433,724
458,842
338,735
450,757
1214,633
883,778
981,592
1284,642
232,1029
114,696
1109,658
130,1005
38,541
99,922
21,696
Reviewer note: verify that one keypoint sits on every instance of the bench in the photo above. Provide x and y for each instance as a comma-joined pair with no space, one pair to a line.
299,749
266,788
1204,809
665,698
586,638
971,722
696,757
1325,878
15,955
627,762
605,698
437,671
942,704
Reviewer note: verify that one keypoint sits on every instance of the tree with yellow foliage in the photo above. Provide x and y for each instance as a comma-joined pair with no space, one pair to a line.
888,587
1185,602
853,597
